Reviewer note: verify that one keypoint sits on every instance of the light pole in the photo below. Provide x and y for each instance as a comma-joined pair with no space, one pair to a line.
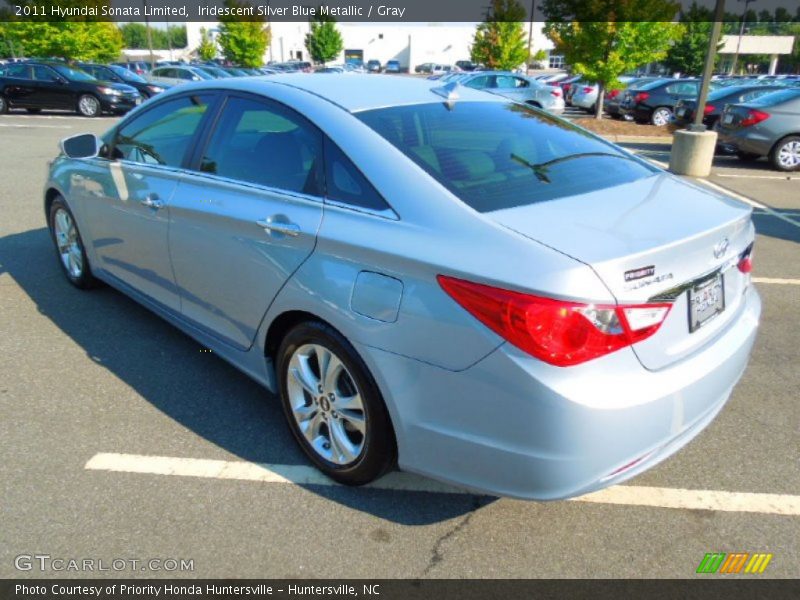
149,35
708,67
741,33
530,37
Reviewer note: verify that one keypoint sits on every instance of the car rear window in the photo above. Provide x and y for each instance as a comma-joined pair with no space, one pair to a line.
495,155
649,85
777,97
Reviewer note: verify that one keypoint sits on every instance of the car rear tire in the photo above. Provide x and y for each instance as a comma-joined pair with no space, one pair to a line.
333,406
88,106
785,155
747,156
69,245
3,105
661,116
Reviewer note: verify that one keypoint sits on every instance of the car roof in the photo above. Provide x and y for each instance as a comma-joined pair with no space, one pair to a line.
373,91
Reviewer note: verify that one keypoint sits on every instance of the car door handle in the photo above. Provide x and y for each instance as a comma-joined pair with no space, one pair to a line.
275,224
152,201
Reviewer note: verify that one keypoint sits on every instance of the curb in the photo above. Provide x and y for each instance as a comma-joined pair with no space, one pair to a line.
639,139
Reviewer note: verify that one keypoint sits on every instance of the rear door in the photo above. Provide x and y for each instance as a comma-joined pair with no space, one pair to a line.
247,216
20,88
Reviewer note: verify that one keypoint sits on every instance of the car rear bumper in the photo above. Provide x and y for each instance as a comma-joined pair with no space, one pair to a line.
584,101
744,140
511,425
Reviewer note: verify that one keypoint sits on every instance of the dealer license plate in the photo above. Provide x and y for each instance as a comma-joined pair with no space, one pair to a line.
727,119
706,301
680,112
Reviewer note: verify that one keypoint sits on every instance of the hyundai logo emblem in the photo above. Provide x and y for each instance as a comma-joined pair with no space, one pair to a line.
721,248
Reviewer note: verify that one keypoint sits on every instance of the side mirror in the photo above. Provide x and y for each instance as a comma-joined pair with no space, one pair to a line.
86,145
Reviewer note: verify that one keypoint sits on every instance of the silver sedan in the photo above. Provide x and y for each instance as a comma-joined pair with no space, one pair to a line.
426,275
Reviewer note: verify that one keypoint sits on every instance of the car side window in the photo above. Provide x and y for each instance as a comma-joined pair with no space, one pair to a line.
345,183
42,73
479,83
267,144
161,135
18,72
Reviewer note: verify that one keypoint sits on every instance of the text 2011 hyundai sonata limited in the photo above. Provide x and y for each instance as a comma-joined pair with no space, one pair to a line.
429,276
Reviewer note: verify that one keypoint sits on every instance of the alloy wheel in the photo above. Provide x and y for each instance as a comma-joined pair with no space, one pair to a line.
88,106
789,155
661,117
326,404
68,242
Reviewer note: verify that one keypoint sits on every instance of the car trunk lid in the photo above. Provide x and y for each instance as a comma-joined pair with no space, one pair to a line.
649,240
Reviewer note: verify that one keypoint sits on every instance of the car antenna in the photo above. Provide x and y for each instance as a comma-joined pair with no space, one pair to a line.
449,92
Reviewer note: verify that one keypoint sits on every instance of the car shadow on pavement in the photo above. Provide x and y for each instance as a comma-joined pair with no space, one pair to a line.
195,388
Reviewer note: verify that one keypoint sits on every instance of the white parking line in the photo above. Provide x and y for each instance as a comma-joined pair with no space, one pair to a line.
27,126
774,504
739,176
776,281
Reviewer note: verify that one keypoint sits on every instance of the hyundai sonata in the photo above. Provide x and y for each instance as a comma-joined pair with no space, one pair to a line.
427,275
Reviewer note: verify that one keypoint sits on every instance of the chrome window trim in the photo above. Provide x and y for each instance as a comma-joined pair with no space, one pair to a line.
254,186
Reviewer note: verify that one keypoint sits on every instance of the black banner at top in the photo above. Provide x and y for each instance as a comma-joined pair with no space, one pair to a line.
391,11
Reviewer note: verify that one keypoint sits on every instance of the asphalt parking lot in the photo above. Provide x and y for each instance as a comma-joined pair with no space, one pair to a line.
87,379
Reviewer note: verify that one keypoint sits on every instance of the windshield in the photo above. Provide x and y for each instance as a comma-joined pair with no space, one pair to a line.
73,74
495,155
126,74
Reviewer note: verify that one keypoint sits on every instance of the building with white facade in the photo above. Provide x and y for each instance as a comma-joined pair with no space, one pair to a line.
409,43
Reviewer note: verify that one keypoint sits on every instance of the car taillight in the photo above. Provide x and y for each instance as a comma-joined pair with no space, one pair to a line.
641,97
556,92
708,109
587,90
558,332
745,263
613,94
753,117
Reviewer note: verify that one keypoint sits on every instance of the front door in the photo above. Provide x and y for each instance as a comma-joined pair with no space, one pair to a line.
129,219
248,216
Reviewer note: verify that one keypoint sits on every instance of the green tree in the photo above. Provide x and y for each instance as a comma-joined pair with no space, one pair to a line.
243,42
206,50
688,54
91,41
134,35
603,49
324,42
500,41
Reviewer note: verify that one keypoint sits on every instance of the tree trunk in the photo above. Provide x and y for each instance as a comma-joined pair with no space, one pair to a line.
598,105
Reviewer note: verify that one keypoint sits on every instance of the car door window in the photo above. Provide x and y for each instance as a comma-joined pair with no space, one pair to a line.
345,183
479,83
18,72
42,73
266,144
508,82
686,88
162,135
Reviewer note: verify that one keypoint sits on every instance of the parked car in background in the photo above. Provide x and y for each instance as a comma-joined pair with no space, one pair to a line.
393,66
213,70
177,75
767,126
424,68
139,67
613,98
117,74
718,99
437,70
37,85
655,101
374,66
483,312
516,87
466,65
586,94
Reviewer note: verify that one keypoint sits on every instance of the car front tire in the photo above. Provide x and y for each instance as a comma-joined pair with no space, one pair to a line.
69,245
88,106
333,406
3,105
785,155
